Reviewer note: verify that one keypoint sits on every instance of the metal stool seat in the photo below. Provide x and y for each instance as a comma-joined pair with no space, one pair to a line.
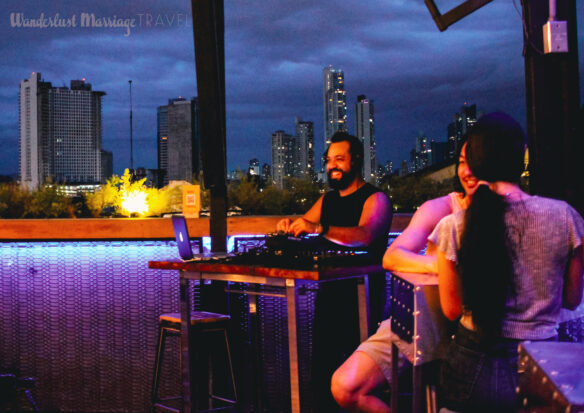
204,323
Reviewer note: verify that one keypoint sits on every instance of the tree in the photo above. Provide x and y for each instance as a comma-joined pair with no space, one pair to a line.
105,198
303,194
115,197
409,192
244,194
13,200
274,201
48,202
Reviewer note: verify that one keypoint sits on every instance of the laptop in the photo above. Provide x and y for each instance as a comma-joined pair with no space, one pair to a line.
183,242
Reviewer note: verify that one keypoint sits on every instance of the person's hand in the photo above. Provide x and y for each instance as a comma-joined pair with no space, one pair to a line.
302,226
432,265
431,261
283,225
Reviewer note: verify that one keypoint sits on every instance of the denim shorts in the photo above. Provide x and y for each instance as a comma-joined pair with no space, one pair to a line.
479,376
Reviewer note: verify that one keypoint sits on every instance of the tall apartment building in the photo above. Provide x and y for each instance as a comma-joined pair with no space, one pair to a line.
458,128
284,150
365,131
305,142
388,170
60,133
107,165
266,172
335,102
440,152
254,167
178,140
162,143
421,156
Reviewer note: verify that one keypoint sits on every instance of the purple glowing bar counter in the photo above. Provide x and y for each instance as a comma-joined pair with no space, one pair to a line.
79,307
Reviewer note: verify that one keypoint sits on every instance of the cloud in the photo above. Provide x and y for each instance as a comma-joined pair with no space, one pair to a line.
275,52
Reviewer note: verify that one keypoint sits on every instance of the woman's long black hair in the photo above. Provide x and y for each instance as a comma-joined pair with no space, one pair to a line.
494,152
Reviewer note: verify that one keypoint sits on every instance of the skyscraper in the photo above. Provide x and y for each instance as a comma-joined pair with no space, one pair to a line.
284,148
162,142
335,102
266,172
178,140
305,143
254,167
457,129
107,165
388,168
365,131
60,133
439,152
421,156
403,171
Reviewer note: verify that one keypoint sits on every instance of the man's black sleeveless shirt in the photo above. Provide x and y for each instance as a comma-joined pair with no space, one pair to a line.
345,211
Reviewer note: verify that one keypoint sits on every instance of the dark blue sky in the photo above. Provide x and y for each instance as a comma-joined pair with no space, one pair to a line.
390,51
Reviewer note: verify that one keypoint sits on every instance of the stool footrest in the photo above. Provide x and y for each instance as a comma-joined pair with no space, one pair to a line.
166,408
197,317
223,399
168,399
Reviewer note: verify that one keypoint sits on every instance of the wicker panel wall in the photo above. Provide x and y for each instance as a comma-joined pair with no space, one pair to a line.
82,318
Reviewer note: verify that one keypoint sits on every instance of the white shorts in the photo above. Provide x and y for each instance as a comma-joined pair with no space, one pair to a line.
378,347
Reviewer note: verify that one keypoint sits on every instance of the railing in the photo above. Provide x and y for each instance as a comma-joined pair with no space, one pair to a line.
139,228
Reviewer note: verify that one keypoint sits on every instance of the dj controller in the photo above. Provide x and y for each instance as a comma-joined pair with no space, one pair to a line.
303,252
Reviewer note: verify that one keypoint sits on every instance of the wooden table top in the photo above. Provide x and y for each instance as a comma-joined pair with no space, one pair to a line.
317,274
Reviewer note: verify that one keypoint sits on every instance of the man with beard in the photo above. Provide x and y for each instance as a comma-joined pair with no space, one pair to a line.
356,214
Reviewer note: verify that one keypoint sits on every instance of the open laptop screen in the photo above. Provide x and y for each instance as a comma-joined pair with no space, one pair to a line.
182,237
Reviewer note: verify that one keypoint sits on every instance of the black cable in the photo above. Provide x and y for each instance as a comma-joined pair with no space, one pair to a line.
526,32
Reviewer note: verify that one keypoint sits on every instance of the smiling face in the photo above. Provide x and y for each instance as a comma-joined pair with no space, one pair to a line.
338,165
468,181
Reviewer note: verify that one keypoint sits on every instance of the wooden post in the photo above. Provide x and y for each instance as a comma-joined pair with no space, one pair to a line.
556,139
209,33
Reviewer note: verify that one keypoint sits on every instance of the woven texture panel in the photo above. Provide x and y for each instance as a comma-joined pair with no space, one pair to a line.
82,318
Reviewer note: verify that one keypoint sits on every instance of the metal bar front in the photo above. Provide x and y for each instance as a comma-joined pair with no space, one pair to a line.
394,377
257,360
363,300
293,345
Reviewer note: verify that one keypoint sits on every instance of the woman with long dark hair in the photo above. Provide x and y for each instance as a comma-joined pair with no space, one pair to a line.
506,266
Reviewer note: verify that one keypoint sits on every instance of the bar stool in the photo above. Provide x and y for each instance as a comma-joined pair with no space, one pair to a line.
204,323
11,386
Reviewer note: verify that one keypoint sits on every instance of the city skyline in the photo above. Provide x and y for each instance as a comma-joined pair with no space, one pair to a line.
392,53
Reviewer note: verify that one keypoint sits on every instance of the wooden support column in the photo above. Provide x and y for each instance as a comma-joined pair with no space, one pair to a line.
209,34
556,140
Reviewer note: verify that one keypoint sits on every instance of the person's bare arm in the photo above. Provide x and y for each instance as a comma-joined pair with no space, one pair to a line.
403,253
375,218
449,288
573,282
308,223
